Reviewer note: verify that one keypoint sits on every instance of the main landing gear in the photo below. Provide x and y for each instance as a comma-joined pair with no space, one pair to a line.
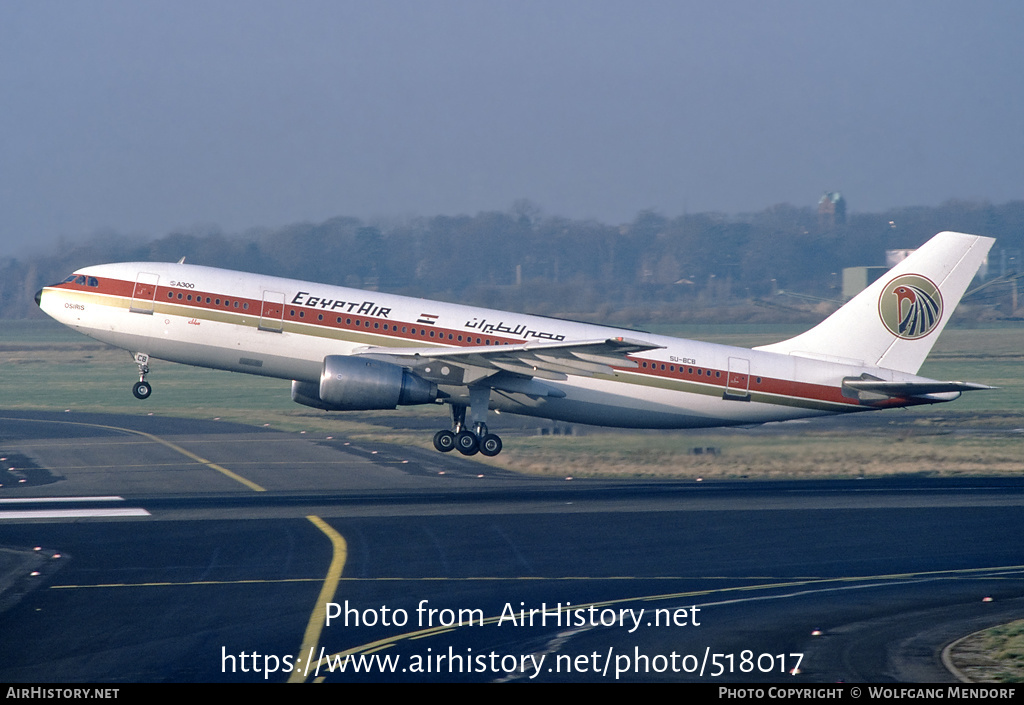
142,388
474,437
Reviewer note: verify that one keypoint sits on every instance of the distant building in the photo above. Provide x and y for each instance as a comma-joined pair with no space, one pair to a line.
857,279
831,209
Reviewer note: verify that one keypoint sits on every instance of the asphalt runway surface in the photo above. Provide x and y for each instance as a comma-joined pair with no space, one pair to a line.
148,549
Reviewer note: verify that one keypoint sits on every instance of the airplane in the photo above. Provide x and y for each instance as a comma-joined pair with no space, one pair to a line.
351,350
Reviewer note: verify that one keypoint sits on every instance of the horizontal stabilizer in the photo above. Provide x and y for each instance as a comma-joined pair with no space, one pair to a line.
911,389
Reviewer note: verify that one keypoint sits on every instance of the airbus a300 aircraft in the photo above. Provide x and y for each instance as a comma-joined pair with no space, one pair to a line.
352,350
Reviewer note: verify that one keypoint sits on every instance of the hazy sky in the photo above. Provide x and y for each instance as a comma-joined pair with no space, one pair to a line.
145,117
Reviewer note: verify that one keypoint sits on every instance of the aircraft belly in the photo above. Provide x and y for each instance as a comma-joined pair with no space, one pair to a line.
617,404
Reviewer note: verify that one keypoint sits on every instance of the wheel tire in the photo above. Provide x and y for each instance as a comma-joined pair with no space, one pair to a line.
490,445
444,441
466,443
142,390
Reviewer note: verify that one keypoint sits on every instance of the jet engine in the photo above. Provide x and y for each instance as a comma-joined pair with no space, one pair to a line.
362,384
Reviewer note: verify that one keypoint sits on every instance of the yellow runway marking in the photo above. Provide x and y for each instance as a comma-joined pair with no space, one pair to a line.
224,471
188,583
311,639
156,439
776,581
472,579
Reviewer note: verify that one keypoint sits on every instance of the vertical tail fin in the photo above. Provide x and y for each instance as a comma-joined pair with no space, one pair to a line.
895,321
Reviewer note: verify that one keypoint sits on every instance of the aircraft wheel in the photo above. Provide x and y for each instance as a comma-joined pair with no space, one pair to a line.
490,445
444,441
466,443
142,390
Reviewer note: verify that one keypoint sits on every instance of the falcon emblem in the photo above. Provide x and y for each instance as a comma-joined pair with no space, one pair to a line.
910,306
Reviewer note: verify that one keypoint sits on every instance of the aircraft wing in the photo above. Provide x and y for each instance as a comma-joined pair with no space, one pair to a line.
516,367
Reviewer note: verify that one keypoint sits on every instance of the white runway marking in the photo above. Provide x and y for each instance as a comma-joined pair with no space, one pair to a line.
33,500
74,513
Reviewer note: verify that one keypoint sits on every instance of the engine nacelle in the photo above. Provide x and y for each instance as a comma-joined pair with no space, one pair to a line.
308,394
362,384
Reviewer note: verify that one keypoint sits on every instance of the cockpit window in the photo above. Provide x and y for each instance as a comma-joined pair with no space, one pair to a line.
82,279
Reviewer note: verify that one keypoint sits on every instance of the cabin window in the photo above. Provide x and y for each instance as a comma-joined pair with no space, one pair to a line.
320,317
180,296
245,307
376,325
170,294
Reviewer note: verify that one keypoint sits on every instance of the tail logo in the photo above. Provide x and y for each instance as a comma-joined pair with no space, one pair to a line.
910,306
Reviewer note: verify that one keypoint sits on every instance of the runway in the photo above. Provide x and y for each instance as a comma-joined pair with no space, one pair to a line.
241,541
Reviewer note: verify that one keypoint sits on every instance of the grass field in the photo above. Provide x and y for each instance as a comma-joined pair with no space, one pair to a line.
46,366
993,656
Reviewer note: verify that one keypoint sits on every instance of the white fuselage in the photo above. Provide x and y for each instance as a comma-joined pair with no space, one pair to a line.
285,328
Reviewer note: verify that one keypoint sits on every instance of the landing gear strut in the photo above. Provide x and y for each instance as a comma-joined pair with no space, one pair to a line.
470,438
142,388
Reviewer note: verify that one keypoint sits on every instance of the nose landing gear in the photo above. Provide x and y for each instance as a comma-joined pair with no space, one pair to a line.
142,388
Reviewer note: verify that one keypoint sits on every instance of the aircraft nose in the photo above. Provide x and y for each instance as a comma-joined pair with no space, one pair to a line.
39,295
